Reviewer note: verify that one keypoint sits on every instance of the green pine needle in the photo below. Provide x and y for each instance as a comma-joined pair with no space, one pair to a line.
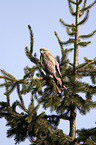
71,9
65,24
84,44
88,35
31,39
85,18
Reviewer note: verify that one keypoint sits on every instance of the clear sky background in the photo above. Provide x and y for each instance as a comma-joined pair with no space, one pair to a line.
43,16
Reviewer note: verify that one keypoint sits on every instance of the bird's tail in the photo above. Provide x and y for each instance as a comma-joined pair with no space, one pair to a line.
59,84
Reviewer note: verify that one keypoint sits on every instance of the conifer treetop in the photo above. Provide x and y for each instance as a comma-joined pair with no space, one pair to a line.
42,128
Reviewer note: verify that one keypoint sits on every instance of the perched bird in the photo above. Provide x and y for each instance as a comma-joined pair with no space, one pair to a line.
51,67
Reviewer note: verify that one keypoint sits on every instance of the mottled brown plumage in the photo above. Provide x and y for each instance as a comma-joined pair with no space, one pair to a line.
51,67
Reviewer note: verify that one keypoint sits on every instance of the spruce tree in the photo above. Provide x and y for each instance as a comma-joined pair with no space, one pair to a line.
42,128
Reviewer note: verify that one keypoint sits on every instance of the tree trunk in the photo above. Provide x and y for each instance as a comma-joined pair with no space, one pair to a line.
73,110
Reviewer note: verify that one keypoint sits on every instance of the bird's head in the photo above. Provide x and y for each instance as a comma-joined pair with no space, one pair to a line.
44,50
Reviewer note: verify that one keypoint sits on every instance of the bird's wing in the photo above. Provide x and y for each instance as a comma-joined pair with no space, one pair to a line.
47,63
58,73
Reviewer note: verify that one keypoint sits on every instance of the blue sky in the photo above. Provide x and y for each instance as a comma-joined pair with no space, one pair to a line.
43,16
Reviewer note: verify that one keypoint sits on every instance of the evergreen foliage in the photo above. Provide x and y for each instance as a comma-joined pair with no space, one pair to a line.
42,129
